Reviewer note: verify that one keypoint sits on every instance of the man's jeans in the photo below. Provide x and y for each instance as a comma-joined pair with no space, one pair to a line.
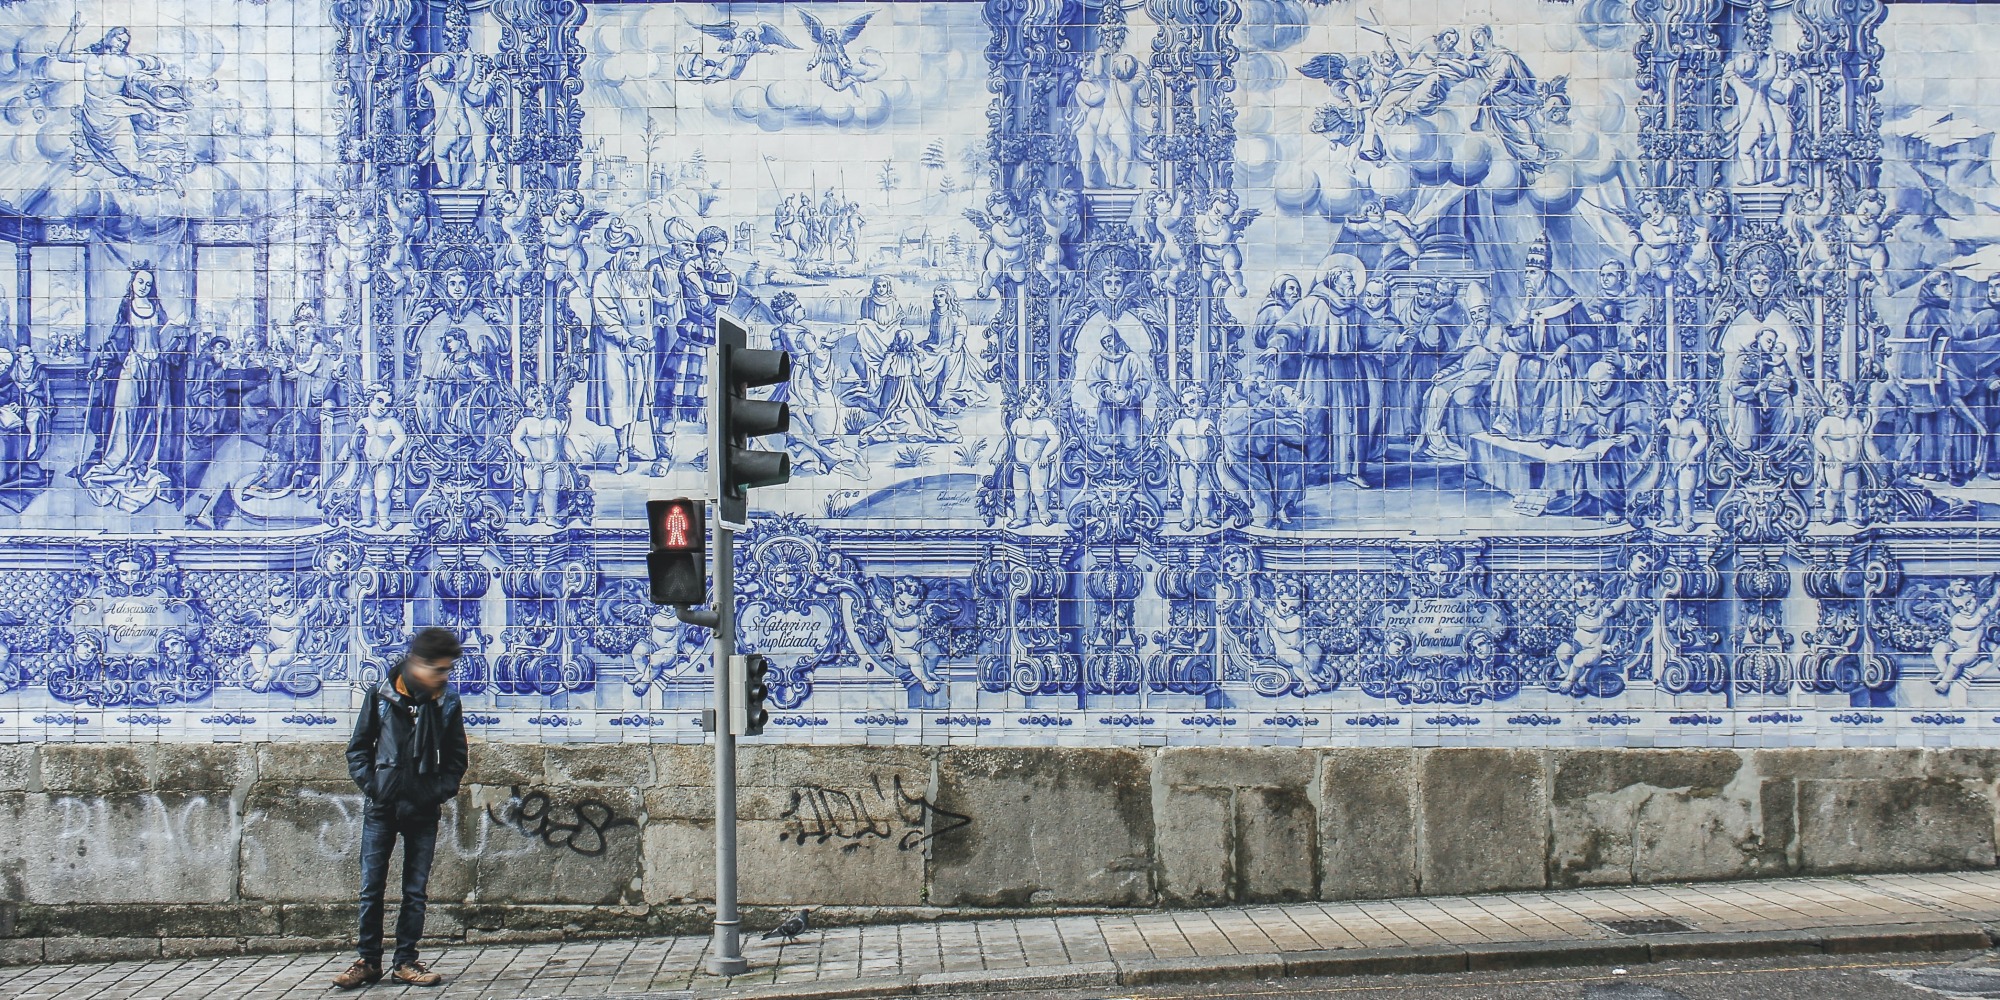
378,838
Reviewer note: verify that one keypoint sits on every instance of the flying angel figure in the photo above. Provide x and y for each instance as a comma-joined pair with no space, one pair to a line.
739,41
838,69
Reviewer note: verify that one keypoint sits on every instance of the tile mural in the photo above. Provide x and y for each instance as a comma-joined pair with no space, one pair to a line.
1568,372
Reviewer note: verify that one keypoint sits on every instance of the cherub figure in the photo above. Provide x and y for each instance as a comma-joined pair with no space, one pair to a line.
1712,227
378,445
739,41
1006,243
1037,443
1216,232
903,620
1160,227
667,650
1590,640
1840,444
1868,234
517,221
1378,223
408,226
1191,441
562,239
347,256
1285,632
1813,225
1659,236
286,621
1964,646
1061,223
564,259
538,443
1687,439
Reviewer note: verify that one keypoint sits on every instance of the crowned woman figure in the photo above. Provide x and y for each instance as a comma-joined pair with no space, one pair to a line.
143,435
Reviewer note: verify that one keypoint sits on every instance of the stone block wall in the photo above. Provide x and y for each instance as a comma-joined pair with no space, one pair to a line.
174,849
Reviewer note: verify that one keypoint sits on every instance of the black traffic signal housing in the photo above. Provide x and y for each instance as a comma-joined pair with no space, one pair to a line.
740,468
749,711
677,566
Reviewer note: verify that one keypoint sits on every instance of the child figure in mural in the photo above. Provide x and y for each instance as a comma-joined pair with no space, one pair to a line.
669,649
1191,442
1037,442
537,441
1289,642
377,450
1964,647
1687,439
1590,638
272,655
903,619
1840,446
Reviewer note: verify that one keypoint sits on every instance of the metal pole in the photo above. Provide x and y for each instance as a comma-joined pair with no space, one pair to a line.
725,957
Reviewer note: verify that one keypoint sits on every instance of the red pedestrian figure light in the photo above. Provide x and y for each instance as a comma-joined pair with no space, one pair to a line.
677,568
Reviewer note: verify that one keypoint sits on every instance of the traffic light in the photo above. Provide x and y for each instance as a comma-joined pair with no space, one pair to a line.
747,711
740,468
677,567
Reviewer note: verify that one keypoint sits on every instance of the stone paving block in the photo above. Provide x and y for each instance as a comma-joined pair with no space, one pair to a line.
1934,936
1544,954
1375,961
1154,971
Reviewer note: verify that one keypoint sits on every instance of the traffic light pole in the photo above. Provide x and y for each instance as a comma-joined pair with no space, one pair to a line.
725,955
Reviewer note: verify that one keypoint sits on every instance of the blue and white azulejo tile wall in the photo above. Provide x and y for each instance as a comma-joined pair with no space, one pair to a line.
1516,372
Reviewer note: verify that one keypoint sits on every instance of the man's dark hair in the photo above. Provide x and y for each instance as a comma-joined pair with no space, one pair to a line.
435,644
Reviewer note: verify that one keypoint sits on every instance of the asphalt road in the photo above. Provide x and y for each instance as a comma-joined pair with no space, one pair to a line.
1961,975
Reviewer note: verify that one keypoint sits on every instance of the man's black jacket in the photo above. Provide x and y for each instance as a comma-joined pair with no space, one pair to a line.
407,754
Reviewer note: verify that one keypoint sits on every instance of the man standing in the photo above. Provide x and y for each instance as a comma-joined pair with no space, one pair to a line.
408,755
621,360
1322,335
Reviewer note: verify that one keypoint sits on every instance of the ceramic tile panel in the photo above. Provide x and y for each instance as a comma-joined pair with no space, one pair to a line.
1176,372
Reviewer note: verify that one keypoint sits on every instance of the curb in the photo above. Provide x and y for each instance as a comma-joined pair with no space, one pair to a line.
1950,935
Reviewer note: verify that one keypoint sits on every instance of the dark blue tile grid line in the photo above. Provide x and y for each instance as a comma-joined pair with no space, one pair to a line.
1613,372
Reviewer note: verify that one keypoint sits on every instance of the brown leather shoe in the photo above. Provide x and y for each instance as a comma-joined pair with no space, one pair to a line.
414,974
360,974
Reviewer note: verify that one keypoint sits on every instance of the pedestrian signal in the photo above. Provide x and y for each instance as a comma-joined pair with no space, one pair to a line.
677,567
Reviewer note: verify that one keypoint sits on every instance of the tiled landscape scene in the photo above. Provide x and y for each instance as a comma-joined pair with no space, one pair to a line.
1516,372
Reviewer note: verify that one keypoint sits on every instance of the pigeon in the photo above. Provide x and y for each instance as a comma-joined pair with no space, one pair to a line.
791,928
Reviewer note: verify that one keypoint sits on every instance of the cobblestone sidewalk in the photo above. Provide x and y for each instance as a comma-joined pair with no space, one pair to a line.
1592,926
